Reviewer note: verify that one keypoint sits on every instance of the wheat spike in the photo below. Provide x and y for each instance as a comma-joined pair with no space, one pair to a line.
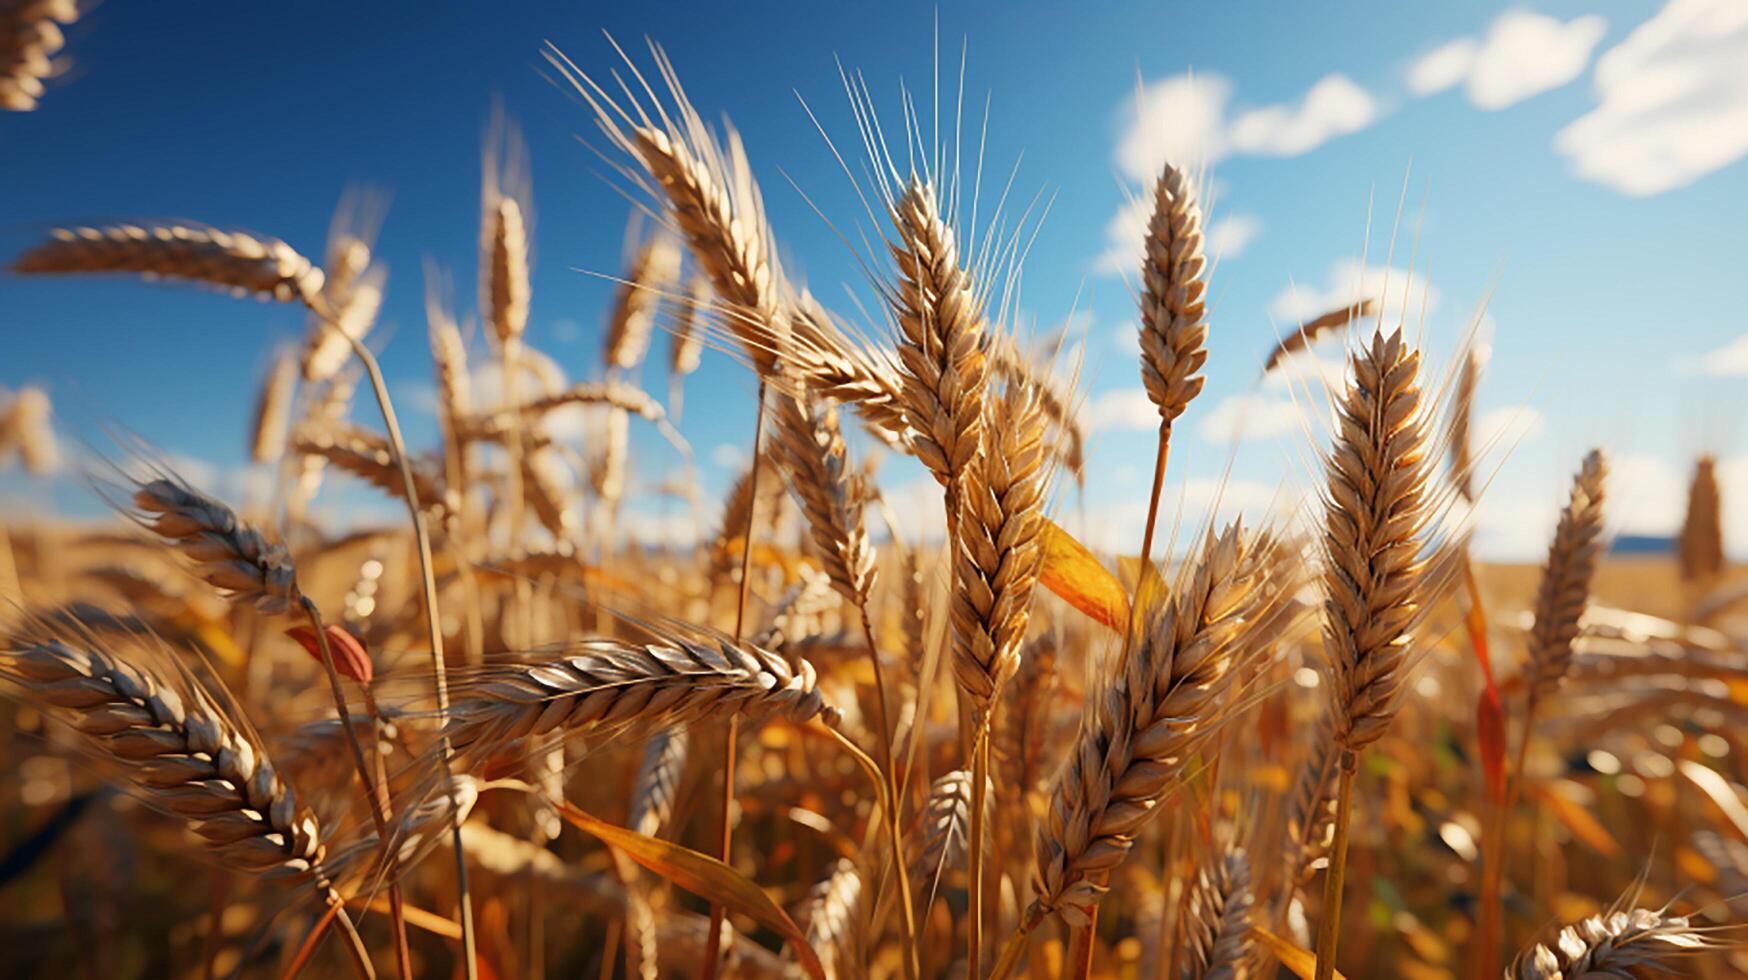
1619,943
1565,586
1374,531
639,297
1462,415
601,687
182,750
1699,550
1174,322
272,418
938,833
544,485
1218,919
229,553
686,349
30,35
29,425
940,336
658,781
1000,524
1140,729
243,263
833,912
367,457
807,442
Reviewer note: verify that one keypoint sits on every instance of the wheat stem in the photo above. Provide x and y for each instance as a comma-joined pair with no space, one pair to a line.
1329,929
889,775
713,944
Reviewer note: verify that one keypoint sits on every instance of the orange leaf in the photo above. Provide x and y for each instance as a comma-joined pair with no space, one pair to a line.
702,875
1073,573
350,657
1580,821
1301,961
1489,712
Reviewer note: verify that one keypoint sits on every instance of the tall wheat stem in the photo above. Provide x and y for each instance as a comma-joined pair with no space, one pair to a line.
434,626
374,788
713,944
889,773
1329,929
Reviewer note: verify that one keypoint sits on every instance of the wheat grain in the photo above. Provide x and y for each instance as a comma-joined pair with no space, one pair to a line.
272,419
635,306
807,442
1218,919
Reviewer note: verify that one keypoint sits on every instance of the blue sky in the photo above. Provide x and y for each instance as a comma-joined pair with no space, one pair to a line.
1578,163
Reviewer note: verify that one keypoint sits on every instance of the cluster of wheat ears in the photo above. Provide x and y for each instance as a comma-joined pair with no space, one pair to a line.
517,743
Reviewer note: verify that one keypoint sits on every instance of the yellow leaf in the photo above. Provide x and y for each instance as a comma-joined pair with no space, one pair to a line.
1580,821
1073,573
702,875
1294,957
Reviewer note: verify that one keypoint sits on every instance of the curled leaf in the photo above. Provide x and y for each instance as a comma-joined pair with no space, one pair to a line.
350,657
1073,573
702,875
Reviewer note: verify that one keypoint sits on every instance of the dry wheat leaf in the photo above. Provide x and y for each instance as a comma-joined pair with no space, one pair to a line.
1073,573
1580,821
1301,961
703,876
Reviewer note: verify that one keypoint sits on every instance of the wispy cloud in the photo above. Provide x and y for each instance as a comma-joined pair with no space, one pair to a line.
1524,54
1242,417
1335,106
1123,409
1672,101
1231,234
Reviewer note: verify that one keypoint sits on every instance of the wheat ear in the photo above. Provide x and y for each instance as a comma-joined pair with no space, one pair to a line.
1150,714
1699,551
227,552
651,272
601,687
1621,943
240,262
272,419
1308,332
1565,585
1174,323
30,35
1374,532
28,425
1218,919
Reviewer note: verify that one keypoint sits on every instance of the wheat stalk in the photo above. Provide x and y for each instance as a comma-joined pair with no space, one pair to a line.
1174,323
243,263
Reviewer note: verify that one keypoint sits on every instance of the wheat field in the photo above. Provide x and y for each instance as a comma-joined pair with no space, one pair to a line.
499,736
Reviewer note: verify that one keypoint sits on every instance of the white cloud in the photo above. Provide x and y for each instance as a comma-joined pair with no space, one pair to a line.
1443,66
1404,297
919,508
1335,106
1229,236
1124,234
1527,54
1181,119
1524,54
1123,409
1651,495
1672,101
1243,417
1728,361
